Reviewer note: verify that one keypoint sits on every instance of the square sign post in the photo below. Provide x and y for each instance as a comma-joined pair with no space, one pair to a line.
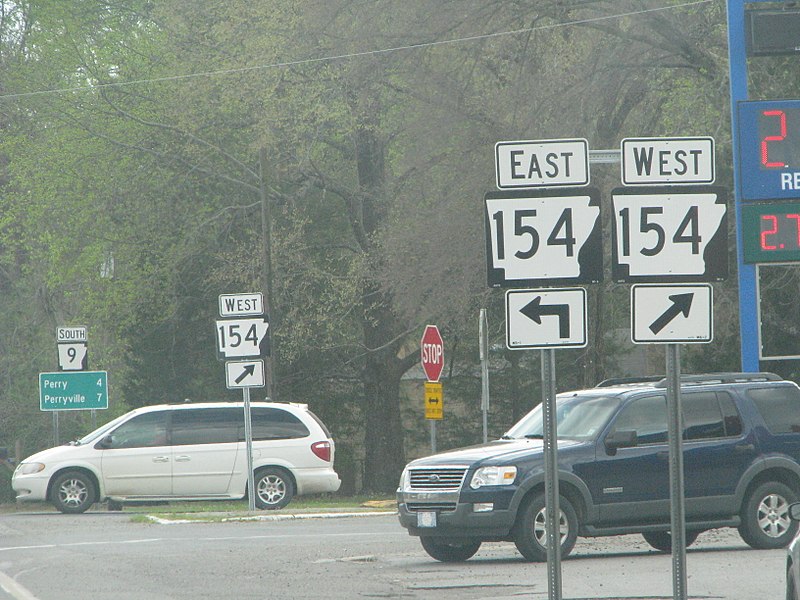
242,333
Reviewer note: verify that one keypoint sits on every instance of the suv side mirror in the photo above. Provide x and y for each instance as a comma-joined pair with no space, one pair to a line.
624,438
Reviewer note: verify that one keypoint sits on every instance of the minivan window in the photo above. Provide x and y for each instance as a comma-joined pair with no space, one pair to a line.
142,431
275,424
779,406
206,426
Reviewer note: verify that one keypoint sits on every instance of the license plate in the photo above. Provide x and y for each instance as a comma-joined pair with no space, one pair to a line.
426,519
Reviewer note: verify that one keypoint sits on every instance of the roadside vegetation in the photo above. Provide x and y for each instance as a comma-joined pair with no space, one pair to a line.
155,155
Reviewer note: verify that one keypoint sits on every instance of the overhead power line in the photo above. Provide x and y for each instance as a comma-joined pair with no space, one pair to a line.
351,55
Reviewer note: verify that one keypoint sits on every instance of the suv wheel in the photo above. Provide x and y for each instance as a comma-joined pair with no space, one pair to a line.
274,488
73,492
530,535
662,540
446,550
765,516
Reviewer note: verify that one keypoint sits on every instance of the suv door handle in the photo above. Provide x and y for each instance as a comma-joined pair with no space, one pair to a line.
183,458
160,459
744,448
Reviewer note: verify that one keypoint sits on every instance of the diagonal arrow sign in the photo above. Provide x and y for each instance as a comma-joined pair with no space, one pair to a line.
534,310
681,303
248,370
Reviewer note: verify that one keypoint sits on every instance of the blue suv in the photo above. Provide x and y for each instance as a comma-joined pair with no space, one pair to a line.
741,443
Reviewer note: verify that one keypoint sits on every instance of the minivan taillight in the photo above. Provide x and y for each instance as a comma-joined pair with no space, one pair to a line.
322,450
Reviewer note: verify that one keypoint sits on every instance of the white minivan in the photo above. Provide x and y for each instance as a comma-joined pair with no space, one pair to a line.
186,452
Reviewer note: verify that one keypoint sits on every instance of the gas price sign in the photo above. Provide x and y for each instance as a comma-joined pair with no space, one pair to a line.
771,232
769,149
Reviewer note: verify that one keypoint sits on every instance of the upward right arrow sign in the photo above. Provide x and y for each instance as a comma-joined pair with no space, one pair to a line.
668,314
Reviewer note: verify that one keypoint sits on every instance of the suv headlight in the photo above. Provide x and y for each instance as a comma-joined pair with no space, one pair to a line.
30,468
404,480
493,476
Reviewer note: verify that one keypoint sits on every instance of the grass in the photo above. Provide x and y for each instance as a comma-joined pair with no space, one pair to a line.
203,509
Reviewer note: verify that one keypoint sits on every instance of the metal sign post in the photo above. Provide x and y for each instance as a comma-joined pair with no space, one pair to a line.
483,343
248,440
677,502
552,509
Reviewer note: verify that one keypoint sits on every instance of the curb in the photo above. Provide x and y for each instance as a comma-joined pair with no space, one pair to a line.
292,517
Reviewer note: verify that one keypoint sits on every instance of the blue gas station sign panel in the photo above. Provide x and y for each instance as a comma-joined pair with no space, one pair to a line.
769,149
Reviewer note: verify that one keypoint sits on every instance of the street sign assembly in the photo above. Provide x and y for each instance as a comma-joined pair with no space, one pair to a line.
542,163
671,314
676,234
546,318
432,353
552,235
84,390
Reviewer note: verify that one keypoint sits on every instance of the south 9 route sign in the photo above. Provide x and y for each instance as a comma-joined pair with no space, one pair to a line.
536,236
669,234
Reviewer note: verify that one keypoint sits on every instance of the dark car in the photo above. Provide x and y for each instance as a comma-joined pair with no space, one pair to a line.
741,443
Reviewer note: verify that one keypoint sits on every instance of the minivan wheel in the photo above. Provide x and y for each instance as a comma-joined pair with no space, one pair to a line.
662,540
765,516
445,550
73,492
530,534
274,488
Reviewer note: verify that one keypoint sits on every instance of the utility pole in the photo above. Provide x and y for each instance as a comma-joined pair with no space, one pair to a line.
266,269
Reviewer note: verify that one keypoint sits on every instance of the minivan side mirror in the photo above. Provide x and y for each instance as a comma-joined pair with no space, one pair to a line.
624,438
105,443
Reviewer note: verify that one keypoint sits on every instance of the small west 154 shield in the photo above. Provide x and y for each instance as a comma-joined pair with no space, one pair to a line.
543,237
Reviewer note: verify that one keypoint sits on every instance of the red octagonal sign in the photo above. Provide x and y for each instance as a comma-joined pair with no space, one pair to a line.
432,352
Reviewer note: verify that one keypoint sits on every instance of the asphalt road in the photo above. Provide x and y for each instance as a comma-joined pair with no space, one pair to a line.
50,556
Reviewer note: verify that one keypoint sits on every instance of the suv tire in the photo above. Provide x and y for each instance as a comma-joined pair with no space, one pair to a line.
662,540
530,535
73,492
765,516
445,550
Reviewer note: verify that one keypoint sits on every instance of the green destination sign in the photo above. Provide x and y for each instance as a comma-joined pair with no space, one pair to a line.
75,390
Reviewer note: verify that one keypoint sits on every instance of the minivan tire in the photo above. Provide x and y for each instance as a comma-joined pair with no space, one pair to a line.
73,492
274,488
445,550
765,516
530,533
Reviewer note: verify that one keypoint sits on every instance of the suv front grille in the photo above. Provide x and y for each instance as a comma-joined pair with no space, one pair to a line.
442,478
424,506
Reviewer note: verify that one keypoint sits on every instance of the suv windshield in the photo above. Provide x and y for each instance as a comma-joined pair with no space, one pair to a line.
577,418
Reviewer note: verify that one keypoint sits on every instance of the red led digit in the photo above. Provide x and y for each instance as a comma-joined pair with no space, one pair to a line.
796,218
773,138
773,221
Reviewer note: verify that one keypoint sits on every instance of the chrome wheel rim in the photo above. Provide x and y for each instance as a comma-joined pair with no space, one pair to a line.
540,527
271,489
773,516
73,492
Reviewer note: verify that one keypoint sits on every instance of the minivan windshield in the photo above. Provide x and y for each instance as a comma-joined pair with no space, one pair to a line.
577,417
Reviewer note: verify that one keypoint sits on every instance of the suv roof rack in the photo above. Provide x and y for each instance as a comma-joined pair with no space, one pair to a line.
712,378
614,381
699,379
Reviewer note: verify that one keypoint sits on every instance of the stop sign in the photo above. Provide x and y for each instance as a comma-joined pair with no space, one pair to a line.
432,350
